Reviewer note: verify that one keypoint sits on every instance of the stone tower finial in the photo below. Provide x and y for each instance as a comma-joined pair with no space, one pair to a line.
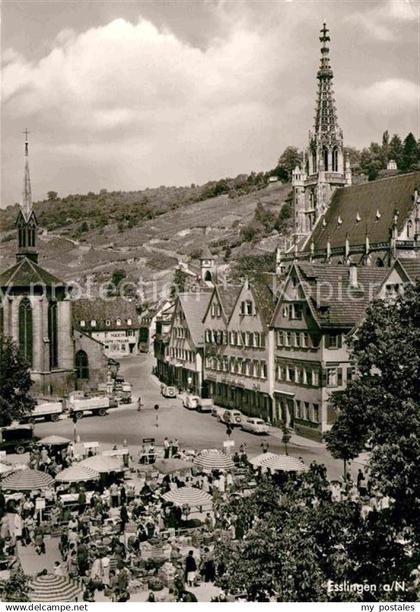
26,204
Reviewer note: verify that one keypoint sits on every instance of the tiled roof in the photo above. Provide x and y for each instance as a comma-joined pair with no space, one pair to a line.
104,310
228,295
194,306
26,272
334,302
412,267
264,300
374,203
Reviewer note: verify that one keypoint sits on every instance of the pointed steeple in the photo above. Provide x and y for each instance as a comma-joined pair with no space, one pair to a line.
27,193
326,113
26,223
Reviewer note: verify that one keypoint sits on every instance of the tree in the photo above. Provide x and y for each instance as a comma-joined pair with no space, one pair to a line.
381,407
15,383
289,159
178,283
396,149
113,287
52,195
410,154
17,586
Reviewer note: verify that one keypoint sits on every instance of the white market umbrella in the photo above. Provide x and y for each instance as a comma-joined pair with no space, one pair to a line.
213,459
189,496
278,463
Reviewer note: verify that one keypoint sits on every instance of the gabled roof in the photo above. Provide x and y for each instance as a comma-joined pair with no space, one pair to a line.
25,272
228,295
194,306
206,253
374,203
100,311
411,267
333,300
264,300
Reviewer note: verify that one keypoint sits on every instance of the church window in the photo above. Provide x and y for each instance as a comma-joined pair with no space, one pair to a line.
207,276
325,154
410,229
82,365
25,330
335,160
52,334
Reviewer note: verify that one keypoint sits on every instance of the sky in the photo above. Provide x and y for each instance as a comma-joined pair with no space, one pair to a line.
134,94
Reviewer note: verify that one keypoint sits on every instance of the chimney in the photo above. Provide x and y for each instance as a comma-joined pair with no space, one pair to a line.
353,276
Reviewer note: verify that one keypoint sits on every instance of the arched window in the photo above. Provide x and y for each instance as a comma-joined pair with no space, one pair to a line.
410,229
52,334
82,365
325,154
379,263
335,160
207,276
25,330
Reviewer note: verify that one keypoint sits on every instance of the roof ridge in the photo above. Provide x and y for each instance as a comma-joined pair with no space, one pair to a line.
379,180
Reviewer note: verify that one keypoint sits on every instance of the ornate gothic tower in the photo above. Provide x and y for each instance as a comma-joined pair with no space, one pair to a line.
324,167
26,222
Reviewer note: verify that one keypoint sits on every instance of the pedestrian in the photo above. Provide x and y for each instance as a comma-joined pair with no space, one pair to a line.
190,569
123,495
81,500
166,448
175,447
361,483
151,453
39,540
114,492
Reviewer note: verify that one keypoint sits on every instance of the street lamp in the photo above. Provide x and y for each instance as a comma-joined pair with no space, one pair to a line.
156,407
74,419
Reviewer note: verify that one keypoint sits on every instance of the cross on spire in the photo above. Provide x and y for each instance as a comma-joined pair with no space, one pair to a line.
26,194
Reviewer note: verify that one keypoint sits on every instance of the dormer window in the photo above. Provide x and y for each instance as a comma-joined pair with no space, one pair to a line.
128,321
118,322
93,323
82,323
107,322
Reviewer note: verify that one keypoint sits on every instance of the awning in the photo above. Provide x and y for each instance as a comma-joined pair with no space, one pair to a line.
170,466
213,459
54,588
77,473
278,463
190,496
53,441
286,393
27,480
103,464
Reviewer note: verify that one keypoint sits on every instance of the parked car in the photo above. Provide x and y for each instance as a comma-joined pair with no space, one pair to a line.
231,417
217,411
191,402
205,405
256,426
168,391
17,438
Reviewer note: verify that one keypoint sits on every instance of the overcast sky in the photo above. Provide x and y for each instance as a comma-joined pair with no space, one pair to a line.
130,94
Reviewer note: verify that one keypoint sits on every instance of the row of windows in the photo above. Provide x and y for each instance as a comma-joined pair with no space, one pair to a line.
299,375
293,312
236,365
118,322
307,411
181,332
235,338
304,340
182,354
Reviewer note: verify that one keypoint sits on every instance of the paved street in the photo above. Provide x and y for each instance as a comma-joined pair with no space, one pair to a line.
192,429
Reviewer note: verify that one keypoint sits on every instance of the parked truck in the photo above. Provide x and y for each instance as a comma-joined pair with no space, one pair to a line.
46,411
79,406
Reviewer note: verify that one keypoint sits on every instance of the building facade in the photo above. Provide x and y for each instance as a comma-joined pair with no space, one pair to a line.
237,355
185,348
113,322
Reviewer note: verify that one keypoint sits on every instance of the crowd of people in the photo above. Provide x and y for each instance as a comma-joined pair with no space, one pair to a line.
118,534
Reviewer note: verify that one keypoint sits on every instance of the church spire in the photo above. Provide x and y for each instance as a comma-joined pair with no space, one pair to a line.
326,113
26,223
27,193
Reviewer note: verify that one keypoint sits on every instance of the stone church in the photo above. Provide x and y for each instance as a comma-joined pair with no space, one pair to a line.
336,222
36,311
